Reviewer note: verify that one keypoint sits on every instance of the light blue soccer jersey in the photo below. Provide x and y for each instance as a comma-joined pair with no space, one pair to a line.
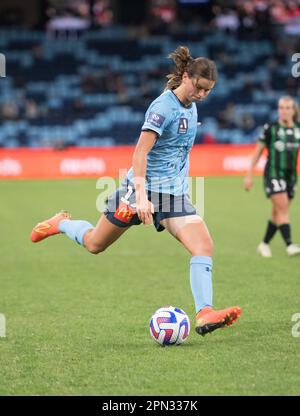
168,160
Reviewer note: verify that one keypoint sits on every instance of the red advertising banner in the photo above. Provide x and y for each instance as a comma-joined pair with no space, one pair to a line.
205,160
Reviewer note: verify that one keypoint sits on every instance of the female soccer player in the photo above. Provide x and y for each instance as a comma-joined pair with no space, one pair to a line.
155,188
282,139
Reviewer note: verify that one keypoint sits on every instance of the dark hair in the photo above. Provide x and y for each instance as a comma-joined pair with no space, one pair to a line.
184,62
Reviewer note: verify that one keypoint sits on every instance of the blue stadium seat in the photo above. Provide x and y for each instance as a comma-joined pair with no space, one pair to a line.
75,104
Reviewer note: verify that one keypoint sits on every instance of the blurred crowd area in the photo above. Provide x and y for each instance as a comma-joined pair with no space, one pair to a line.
90,84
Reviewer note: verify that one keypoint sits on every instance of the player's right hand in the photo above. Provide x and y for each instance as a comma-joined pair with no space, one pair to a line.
145,209
248,183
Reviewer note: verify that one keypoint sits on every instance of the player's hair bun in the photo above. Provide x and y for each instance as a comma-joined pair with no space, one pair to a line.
182,58
184,62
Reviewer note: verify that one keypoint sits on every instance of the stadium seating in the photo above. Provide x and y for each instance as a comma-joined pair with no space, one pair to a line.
93,90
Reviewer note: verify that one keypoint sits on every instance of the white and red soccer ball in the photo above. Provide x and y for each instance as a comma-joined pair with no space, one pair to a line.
169,326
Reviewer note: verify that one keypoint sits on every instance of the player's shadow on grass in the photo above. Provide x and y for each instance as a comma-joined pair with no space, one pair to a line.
187,345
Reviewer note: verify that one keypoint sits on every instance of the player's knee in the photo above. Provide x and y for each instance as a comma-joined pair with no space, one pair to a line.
205,248
95,248
92,246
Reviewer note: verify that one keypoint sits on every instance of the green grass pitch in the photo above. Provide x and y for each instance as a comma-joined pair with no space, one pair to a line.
78,324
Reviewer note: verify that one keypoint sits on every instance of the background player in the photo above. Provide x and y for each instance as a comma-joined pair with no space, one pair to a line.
282,139
162,156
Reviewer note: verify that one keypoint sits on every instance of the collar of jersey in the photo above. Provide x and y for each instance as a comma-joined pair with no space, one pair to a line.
180,102
281,125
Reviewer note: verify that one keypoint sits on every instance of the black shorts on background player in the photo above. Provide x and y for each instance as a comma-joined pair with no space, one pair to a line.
274,186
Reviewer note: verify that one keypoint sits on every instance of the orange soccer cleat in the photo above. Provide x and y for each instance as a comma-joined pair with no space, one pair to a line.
48,227
208,320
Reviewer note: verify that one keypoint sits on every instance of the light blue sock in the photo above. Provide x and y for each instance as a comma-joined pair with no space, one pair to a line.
201,281
75,229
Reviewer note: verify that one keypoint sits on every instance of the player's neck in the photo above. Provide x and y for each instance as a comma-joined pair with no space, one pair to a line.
181,96
285,123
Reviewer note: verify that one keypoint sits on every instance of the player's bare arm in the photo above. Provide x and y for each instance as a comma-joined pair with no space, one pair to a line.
248,181
139,162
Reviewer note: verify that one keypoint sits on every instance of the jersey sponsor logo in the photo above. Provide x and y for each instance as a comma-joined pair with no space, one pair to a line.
279,146
292,146
155,119
183,125
297,134
124,213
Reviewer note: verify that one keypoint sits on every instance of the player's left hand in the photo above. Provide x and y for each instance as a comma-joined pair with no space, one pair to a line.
145,209
248,183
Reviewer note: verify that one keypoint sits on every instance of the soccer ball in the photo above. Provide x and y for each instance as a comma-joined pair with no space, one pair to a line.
169,326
